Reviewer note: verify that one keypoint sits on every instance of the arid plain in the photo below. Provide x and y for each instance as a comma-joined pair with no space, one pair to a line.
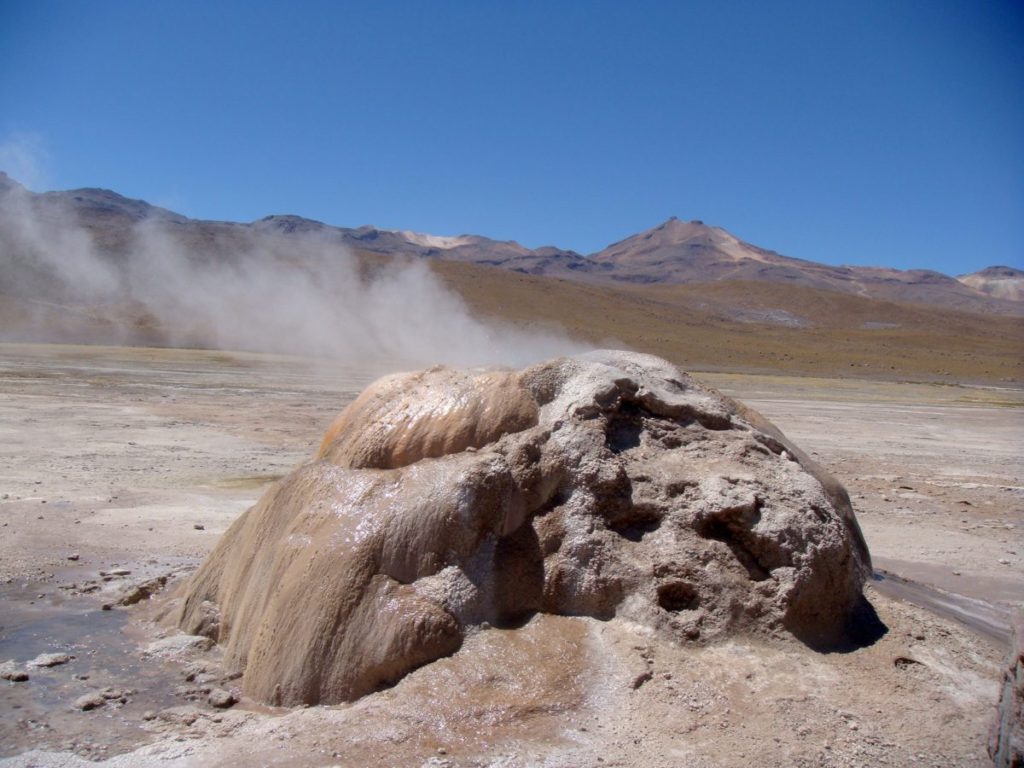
124,465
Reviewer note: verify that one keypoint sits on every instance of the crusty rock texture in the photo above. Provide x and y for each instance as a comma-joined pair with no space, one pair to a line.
607,485
1006,738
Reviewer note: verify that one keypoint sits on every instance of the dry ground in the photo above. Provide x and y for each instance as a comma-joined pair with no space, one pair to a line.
116,455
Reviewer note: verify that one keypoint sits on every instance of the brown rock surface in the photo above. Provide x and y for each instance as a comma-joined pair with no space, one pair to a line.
608,484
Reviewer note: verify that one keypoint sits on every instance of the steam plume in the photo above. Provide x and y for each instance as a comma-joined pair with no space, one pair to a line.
161,278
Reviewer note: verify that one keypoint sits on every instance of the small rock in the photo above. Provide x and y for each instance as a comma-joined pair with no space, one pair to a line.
1003,561
89,701
10,671
149,715
199,527
142,591
178,645
50,659
853,726
73,556
221,699
640,679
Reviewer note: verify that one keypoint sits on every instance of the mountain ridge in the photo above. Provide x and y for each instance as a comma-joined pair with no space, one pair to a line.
673,252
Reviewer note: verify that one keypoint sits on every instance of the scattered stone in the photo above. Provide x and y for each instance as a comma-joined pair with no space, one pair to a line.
9,670
88,701
112,695
903,662
199,527
142,591
186,715
221,699
149,715
180,644
73,556
640,679
51,660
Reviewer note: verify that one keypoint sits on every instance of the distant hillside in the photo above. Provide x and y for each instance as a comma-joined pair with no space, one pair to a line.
999,282
692,252
692,293
675,252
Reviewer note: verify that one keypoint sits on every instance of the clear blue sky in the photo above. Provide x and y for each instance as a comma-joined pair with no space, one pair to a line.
845,132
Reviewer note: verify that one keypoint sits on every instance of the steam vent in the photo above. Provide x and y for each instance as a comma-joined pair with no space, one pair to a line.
604,485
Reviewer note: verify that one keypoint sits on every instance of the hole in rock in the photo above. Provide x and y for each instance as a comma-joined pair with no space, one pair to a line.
676,596
904,662
624,428
636,523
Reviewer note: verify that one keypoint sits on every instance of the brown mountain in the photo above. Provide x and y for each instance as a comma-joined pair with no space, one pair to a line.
715,302
692,252
675,252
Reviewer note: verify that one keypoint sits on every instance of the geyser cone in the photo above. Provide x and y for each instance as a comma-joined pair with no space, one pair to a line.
604,485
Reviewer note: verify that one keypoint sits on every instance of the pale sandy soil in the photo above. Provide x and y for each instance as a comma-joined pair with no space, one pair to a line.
115,455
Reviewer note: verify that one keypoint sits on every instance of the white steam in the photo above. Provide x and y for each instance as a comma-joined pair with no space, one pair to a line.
161,279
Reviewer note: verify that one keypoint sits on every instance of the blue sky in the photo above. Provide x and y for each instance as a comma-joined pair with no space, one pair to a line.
845,132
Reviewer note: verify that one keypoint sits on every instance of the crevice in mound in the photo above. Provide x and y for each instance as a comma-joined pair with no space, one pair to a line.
685,414
819,513
518,576
769,442
675,596
731,526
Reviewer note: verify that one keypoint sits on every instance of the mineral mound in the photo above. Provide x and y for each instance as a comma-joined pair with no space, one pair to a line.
607,485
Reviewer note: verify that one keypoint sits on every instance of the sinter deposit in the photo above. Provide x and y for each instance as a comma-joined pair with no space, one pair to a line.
605,485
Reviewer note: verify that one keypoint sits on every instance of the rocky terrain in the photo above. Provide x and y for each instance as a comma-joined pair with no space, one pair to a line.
603,485
161,451
124,467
